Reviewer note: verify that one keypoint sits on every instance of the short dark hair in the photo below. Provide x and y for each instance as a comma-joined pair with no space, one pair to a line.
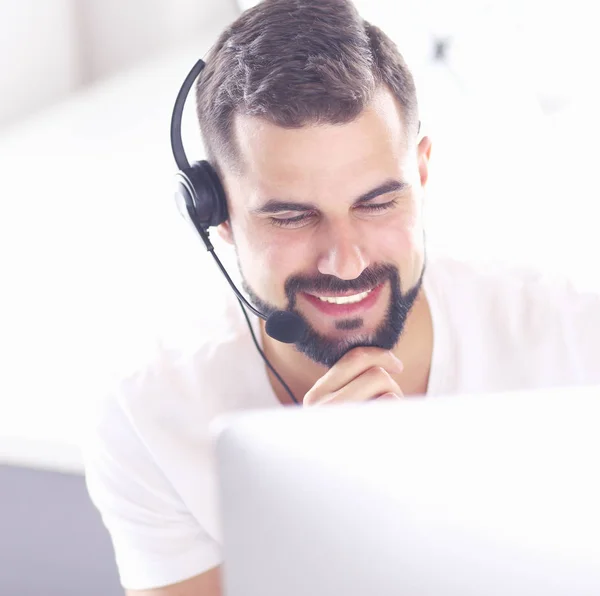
295,63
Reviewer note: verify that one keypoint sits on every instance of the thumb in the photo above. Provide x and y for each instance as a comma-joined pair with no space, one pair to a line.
389,395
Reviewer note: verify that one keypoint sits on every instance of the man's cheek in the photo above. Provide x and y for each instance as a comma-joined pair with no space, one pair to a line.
265,271
400,242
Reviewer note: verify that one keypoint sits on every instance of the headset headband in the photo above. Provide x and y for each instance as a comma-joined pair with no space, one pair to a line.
176,141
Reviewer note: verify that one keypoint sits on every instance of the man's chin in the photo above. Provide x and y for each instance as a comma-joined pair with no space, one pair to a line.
338,339
327,350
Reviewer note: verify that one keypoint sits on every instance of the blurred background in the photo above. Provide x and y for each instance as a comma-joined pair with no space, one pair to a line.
96,263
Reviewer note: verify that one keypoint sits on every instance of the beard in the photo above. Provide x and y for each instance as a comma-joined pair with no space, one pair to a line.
327,351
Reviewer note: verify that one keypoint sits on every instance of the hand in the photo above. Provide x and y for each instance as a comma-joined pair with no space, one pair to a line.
360,375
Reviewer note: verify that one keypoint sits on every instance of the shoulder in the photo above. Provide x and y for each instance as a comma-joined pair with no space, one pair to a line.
184,373
509,290
524,318
148,436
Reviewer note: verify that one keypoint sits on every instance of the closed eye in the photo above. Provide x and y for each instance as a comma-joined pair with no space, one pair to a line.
288,222
373,207
298,220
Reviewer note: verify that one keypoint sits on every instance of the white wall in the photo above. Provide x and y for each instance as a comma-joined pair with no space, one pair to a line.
39,55
117,34
50,48
85,192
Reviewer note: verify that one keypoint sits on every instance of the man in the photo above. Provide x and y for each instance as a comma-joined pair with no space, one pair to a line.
309,115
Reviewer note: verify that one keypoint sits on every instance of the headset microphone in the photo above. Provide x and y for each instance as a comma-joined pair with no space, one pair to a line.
200,197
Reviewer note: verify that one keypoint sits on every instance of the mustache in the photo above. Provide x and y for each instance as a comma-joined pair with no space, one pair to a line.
367,280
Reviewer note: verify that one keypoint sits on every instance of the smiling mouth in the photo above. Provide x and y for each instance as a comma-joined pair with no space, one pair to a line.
352,299
347,304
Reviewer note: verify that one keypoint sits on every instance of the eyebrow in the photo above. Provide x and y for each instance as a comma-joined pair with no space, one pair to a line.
279,206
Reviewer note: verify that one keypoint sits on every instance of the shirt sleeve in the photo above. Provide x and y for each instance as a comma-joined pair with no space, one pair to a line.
156,539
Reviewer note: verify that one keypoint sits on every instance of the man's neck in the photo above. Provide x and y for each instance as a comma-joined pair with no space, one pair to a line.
414,349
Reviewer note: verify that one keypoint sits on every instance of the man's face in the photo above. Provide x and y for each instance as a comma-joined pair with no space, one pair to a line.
327,222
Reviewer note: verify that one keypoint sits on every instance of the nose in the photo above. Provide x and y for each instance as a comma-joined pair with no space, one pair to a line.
342,255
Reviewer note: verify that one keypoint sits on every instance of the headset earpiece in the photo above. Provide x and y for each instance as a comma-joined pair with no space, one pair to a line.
200,192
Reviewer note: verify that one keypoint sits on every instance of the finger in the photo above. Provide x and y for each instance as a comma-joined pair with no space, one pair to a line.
351,365
373,383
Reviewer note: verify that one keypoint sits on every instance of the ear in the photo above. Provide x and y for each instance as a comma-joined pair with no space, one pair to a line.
423,156
224,231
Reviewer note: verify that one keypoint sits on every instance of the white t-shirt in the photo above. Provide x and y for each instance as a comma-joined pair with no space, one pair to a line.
149,465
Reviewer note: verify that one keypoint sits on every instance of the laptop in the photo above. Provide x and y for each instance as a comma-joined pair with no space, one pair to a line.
455,496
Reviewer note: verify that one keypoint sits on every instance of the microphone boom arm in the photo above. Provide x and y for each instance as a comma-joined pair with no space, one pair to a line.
211,249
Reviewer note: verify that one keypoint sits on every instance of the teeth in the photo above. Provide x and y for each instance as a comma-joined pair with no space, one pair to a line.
345,299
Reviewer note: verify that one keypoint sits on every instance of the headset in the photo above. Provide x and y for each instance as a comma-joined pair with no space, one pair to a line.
200,198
